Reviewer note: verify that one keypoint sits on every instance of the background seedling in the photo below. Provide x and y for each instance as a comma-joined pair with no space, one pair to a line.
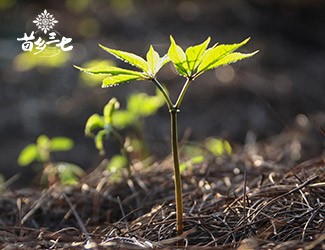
53,172
189,64
114,119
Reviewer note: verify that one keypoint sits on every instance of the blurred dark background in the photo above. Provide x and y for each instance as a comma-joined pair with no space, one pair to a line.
280,87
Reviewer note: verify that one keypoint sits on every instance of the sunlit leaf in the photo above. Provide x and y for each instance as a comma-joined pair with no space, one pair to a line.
27,155
128,57
109,108
109,70
231,58
94,122
178,57
94,79
61,144
118,79
153,59
194,54
162,61
155,62
212,55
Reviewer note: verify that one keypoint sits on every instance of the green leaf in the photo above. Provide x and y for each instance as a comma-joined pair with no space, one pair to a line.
117,163
27,155
61,144
153,59
155,62
128,57
194,54
118,79
211,56
43,141
178,57
93,79
193,161
43,144
109,70
143,105
99,140
109,109
218,147
231,58
197,159
162,61
94,122
123,118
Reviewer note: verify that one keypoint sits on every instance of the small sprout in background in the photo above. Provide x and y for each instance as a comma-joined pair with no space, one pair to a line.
139,106
53,172
67,174
27,61
195,160
218,147
193,154
115,167
101,127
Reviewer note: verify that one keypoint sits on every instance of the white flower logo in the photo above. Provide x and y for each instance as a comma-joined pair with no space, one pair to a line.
45,21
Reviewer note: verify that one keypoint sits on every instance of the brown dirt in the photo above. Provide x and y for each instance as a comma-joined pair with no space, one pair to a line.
243,202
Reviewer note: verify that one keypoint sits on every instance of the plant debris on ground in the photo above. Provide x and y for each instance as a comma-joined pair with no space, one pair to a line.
243,201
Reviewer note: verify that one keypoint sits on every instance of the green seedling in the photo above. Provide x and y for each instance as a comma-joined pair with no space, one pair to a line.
101,127
218,147
194,153
189,64
53,172
139,106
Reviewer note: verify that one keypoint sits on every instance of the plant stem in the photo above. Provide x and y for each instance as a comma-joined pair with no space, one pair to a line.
173,110
164,92
177,175
182,93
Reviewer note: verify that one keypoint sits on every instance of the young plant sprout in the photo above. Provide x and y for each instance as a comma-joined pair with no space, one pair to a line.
189,64
62,172
114,119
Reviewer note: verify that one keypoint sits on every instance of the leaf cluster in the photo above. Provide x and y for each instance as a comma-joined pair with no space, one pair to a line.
190,63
